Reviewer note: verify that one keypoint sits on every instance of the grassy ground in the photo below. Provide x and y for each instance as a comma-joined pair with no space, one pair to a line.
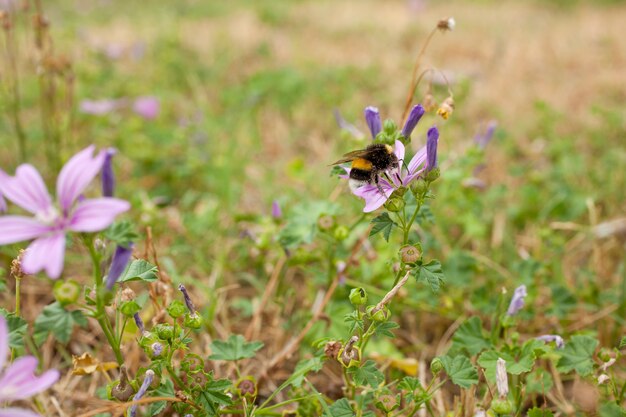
247,91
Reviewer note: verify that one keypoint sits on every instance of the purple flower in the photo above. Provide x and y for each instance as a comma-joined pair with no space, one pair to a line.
139,323
157,349
414,116
431,148
50,223
371,193
188,302
372,117
517,302
107,175
558,340
147,107
142,391
277,213
3,204
482,140
18,380
118,264
100,107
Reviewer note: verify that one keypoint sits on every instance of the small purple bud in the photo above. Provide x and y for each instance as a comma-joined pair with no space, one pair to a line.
414,116
188,302
431,148
142,391
108,178
483,140
277,213
517,302
118,264
139,323
372,117
552,338
157,349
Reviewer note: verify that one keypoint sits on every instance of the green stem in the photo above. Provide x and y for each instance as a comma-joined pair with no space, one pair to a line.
18,282
407,229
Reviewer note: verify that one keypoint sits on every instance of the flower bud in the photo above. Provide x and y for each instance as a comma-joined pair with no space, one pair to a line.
122,390
395,204
414,117
193,320
431,148
176,309
379,315
325,222
341,233
433,174
129,308
332,349
502,379
156,350
436,366
246,387
387,403
390,127
409,254
350,355
502,406
188,302
121,257
419,186
164,331
372,118
66,292
358,296
107,175
446,108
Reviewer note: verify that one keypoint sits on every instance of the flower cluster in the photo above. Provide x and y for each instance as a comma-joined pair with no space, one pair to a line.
73,212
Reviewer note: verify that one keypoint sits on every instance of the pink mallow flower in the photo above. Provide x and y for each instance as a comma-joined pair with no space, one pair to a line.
147,107
50,223
18,380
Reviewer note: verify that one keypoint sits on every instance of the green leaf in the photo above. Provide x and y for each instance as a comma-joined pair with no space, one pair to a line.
382,223
58,321
576,355
139,270
411,385
517,362
432,274
301,226
303,368
234,349
17,328
622,342
340,408
354,321
385,328
612,410
213,395
539,381
123,233
166,389
469,337
367,374
460,370
539,412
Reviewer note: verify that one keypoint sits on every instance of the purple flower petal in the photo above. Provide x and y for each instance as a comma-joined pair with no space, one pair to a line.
26,189
413,168
517,302
277,213
4,341
46,253
372,196
558,340
108,177
17,412
19,380
414,116
118,265
96,214
18,228
372,117
142,391
147,107
431,148
76,175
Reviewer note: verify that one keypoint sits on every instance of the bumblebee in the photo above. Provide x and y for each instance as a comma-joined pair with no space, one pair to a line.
368,164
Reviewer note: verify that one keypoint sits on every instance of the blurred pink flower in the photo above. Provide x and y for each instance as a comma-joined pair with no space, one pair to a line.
18,381
49,225
100,107
147,107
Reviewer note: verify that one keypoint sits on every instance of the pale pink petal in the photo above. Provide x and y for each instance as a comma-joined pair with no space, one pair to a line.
47,253
418,159
27,384
372,196
17,412
18,228
96,214
19,371
4,341
399,150
26,189
3,204
76,175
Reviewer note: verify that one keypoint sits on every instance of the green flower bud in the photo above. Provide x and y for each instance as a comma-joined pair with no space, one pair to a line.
419,186
409,254
358,296
350,358
395,204
433,174
66,292
246,387
164,331
193,321
502,406
129,308
341,233
390,127
325,222
378,315
436,366
387,403
176,309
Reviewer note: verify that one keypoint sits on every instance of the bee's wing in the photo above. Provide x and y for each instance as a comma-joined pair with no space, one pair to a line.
350,156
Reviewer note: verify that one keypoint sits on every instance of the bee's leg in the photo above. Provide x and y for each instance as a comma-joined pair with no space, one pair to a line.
376,178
